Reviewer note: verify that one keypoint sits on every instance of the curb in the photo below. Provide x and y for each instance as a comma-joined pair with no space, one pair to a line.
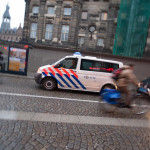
16,76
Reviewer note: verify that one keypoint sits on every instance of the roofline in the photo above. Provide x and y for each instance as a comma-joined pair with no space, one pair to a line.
94,58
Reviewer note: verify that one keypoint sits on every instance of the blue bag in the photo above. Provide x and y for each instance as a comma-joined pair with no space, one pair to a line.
110,96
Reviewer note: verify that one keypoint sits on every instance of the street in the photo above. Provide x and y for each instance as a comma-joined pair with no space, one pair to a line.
32,118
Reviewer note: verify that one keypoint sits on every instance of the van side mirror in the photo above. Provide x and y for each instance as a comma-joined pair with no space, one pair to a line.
57,66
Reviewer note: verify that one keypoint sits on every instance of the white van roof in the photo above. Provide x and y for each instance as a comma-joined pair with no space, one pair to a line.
93,58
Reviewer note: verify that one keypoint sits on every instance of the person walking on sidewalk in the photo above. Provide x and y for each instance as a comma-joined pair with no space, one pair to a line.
127,76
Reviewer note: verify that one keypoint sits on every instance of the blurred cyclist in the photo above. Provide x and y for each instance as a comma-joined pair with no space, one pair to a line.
127,76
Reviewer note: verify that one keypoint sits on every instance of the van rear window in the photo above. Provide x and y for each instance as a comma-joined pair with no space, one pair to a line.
98,66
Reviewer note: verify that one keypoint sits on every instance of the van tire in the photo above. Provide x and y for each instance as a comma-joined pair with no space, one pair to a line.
49,84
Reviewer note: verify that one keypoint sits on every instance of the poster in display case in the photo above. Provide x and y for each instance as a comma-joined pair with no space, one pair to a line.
14,59
17,59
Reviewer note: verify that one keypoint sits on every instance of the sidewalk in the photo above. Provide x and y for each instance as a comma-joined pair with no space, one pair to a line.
26,134
30,75
89,120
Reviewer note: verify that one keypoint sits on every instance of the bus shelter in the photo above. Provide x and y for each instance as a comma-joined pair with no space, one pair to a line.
14,58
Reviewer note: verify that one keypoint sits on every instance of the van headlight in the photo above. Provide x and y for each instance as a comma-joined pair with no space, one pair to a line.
39,70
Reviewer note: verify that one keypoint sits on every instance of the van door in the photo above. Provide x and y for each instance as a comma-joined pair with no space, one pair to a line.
94,74
89,74
65,72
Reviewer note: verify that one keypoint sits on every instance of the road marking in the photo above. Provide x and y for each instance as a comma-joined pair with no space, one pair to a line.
90,120
60,98
47,97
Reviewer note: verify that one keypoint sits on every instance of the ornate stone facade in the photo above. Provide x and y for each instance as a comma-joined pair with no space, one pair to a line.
92,23
100,15
13,35
8,34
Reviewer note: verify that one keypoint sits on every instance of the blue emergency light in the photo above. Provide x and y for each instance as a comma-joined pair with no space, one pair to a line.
77,54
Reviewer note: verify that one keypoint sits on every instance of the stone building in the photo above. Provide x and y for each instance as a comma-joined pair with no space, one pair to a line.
88,24
6,33
85,24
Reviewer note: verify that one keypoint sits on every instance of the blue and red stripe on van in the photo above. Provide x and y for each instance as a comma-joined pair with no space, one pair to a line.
61,76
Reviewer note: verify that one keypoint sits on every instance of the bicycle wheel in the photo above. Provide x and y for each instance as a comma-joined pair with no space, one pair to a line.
106,107
140,104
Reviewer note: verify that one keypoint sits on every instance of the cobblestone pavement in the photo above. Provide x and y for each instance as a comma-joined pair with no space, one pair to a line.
27,135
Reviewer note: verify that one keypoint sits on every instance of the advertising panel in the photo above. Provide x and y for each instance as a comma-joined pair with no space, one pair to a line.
17,59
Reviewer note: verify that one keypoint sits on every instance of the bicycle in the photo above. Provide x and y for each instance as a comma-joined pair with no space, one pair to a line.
111,100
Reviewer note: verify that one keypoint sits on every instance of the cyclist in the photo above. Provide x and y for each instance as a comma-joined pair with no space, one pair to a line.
125,77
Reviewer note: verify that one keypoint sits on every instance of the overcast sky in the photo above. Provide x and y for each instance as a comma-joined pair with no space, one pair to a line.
17,9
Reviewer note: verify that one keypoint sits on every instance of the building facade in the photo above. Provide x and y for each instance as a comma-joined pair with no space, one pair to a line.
6,33
84,24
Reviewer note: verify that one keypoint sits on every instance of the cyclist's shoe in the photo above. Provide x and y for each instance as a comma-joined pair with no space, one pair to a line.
120,105
127,106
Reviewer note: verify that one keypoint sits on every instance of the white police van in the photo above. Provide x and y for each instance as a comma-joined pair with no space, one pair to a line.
78,72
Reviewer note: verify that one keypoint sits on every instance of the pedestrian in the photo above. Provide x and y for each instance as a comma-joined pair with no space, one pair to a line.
126,77
1,55
1,60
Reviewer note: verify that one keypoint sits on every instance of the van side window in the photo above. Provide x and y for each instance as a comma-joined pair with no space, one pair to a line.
90,65
109,67
68,63
98,66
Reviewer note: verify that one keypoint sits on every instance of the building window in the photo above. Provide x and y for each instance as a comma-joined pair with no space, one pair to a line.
35,10
64,33
104,16
81,40
67,11
33,30
48,32
51,10
100,42
84,15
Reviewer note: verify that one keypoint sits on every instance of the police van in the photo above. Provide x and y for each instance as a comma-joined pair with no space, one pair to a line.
78,72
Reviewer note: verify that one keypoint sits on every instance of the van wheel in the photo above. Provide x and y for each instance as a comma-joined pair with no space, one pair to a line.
49,84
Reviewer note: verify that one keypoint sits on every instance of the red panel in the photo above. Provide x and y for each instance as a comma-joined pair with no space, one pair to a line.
66,72
51,71
74,73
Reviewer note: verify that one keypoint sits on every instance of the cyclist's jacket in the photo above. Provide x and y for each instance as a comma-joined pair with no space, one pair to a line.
127,76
